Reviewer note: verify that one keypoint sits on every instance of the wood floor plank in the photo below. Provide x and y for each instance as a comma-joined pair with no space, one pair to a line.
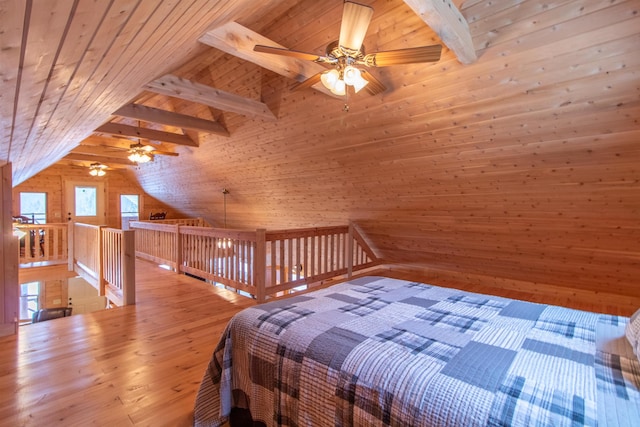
136,365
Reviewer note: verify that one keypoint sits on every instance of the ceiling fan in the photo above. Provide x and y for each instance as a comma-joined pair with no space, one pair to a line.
141,153
348,53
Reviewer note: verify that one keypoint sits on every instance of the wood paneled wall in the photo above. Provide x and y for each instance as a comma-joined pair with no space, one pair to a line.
52,181
523,166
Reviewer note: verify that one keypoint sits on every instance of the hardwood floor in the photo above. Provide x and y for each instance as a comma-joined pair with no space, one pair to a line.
141,365
135,365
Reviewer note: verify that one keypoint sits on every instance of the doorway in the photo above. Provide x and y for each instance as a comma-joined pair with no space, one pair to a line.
84,202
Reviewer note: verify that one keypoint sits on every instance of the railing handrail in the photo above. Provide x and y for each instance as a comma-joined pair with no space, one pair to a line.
152,225
84,225
181,221
47,225
223,233
305,232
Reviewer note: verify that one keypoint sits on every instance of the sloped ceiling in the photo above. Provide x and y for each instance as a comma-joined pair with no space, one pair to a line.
67,66
522,165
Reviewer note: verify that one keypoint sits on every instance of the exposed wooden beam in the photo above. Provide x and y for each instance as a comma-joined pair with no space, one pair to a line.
109,149
98,158
170,118
106,141
239,41
138,132
171,85
102,151
446,20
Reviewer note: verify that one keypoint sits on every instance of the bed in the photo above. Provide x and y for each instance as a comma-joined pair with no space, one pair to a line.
380,351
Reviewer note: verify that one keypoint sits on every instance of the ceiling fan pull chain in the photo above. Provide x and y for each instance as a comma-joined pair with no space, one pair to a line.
346,100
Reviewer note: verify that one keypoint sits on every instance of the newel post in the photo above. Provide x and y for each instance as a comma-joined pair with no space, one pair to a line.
100,263
350,251
70,245
260,264
128,262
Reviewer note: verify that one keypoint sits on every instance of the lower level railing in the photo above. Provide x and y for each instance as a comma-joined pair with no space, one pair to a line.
105,257
263,264
42,242
119,265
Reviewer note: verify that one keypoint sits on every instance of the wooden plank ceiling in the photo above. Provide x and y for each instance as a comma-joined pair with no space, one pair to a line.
522,164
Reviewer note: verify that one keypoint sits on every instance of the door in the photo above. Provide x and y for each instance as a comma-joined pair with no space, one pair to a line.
84,202
84,298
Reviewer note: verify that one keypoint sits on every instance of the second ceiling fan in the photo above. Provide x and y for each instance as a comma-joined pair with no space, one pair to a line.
347,55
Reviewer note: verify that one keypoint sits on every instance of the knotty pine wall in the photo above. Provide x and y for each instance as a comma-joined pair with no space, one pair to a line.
52,181
522,168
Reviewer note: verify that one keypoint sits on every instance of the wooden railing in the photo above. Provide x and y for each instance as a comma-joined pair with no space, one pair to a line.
87,254
298,257
104,257
43,243
263,264
118,265
219,255
156,242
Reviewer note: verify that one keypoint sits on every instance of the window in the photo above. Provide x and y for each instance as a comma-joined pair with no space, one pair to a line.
34,207
129,209
29,300
86,201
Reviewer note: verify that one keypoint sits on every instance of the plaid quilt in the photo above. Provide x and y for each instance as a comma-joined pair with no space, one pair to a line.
383,352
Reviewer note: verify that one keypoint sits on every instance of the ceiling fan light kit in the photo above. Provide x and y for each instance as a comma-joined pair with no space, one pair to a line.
338,79
97,169
353,77
138,153
347,53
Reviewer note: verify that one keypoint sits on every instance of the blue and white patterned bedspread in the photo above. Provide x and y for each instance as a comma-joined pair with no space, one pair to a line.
380,351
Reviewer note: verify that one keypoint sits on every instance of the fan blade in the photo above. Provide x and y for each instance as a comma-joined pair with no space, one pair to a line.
164,153
287,52
355,21
410,55
307,83
375,86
